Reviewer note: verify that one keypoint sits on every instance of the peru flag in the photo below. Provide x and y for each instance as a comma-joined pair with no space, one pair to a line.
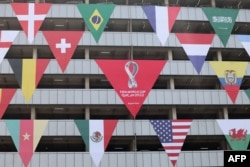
196,47
26,135
28,73
63,45
132,79
96,135
162,20
31,17
6,39
245,41
5,98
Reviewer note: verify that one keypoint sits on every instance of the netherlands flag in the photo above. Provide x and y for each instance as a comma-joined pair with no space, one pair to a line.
196,47
245,41
161,19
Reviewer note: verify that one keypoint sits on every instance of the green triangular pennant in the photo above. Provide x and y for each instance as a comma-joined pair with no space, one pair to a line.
83,127
96,17
236,132
248,93
222,20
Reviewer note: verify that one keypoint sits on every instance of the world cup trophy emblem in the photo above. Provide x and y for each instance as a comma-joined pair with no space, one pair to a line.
230,77
131,69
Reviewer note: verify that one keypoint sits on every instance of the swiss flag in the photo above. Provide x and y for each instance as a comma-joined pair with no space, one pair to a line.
31,17
63,45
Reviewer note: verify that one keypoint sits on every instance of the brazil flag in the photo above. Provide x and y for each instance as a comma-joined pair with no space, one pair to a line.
96,17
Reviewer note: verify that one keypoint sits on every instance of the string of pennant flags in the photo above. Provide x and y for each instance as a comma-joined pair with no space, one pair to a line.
131,79
96,135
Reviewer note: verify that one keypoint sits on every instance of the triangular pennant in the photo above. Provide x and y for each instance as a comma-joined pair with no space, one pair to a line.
245,41
230,75
196,47
28,73
162,19
222,21
132,79
247,93
237,132
63,45
96,135
5,98
172,134
26,135
96,16
6,39
31,17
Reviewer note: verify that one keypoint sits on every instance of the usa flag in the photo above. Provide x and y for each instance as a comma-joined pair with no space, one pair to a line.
172,134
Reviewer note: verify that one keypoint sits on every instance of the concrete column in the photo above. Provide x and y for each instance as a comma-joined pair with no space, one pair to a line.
33,113
87,1
166,2
34,54
87,113
225,113
171,82
213,4
170,54
219,55
86,53
173,113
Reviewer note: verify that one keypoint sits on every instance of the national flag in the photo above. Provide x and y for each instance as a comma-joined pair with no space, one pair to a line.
96,17
162,19
6,95
31,17
172,134
222,21
28,73
196,47
6,39
132,79
245,41
63,45
96,135
230,75
237,132
26,135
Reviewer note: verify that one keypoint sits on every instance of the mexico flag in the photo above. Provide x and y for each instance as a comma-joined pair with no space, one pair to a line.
26,135
28,73
196,47
237,132
6,39
162,20
96,135
5,98
31,17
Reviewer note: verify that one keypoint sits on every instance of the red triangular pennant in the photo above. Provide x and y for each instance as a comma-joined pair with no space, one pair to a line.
132,79
63,45
31,16
5,98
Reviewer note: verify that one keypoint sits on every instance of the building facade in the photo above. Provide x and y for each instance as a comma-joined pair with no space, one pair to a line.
84,92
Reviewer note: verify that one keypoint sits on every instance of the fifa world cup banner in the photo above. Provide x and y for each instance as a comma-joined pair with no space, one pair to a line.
132,79
222,21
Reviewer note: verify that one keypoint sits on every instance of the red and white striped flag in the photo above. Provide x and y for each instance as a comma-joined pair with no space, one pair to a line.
172,134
